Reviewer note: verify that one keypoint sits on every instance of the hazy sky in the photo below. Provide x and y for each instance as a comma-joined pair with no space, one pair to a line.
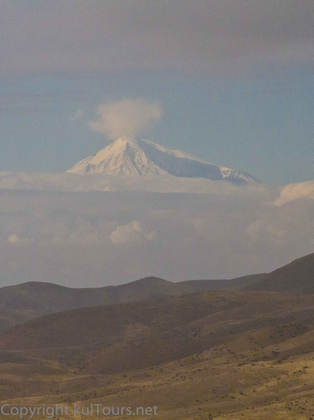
234,80
229,81
103,238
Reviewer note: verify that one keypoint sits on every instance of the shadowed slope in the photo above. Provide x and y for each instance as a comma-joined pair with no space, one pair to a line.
28,300
296,277
233,354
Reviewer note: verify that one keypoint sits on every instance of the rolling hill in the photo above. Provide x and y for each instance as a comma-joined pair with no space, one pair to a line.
28,300
192,352
215,354
296,277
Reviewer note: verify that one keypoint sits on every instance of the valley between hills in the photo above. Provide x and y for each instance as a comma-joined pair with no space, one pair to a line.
242,351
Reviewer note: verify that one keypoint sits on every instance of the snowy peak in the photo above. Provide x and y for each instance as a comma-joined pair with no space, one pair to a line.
123,157
136,157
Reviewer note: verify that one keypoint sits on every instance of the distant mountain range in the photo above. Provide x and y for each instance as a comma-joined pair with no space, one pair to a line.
129,156
216,352
25,301
29,300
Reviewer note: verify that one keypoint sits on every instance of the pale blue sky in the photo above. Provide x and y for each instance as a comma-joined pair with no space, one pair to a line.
234,78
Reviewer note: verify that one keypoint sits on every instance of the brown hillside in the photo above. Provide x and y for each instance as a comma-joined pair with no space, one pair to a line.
28,300
296,277
217,354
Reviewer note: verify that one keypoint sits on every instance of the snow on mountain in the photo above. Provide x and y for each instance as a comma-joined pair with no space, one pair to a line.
136,157
135,165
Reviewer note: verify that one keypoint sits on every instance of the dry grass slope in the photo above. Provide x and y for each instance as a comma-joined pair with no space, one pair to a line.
217,354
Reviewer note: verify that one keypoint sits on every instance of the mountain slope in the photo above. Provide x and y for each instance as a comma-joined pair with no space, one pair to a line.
225,354
29,300
296,277
128,322
136,157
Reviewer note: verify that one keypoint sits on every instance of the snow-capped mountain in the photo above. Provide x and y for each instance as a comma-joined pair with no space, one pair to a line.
136,157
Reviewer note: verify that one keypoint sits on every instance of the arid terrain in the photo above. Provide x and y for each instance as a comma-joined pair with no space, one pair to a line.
219,354
156,209
29,300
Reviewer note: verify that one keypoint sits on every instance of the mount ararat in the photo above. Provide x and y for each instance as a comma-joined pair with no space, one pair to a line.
129,156
132,164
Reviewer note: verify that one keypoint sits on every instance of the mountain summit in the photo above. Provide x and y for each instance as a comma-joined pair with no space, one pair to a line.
136,157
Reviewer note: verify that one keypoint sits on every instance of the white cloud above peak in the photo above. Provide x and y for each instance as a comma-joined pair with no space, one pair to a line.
127,117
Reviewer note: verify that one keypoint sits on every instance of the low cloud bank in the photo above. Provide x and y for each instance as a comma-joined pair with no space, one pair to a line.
101,238
295,191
